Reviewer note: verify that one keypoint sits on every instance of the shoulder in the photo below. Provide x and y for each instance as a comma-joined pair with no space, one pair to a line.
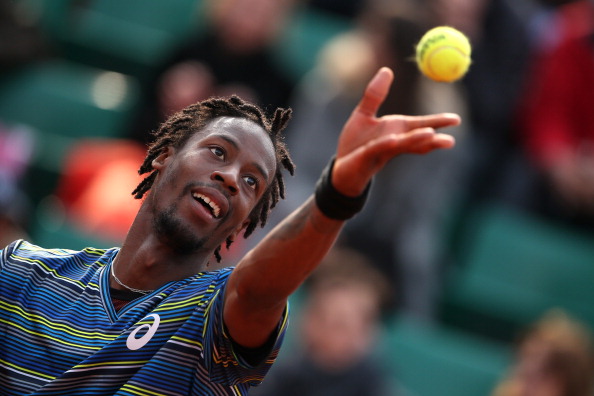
26,252
210,283
201,288
218,276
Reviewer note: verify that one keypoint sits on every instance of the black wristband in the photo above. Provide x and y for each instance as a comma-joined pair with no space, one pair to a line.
332,203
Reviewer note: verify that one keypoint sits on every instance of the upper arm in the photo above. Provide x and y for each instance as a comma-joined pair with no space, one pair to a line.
250,321
225,362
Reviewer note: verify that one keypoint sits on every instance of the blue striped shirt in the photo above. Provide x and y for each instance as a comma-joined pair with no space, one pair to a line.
60,334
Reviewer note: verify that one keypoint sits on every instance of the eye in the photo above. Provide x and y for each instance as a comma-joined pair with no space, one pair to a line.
219,152
251,181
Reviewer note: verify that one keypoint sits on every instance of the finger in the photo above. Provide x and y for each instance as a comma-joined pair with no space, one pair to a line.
432,121
416,142
376,92
438,142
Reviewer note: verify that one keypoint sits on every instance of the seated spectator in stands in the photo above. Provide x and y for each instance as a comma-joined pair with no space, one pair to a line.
232,55
339,325
16,147
554,358
557,121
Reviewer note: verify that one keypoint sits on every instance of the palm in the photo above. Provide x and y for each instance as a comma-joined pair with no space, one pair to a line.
367,142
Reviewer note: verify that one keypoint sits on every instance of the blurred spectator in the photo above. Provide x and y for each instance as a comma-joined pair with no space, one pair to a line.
231,55
499,31
344,8
554,358
399,233
21,42
340,322
16,145
557,120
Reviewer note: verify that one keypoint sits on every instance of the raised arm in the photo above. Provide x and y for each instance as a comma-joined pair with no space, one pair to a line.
260,285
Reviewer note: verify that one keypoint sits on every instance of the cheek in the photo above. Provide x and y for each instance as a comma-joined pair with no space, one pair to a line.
164,183
177,173
241,215
165,190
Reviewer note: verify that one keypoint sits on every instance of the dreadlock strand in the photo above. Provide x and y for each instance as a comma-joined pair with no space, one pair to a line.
259,116
236,100
144,185
249,229
264,215
280,120
281,187
287,162
287,114
277,121
179,123
217,254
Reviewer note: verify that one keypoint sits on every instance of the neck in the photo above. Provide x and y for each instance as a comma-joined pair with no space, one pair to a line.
119,282
145,263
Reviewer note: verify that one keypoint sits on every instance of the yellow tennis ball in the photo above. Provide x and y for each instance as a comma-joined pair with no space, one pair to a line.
443,54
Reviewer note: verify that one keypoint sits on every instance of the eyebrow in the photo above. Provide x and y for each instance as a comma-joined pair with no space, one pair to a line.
235,144
230,140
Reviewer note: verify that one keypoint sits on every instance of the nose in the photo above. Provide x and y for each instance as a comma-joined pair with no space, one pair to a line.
228,178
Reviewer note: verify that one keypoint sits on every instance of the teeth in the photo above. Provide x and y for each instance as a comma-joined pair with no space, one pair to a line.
213,206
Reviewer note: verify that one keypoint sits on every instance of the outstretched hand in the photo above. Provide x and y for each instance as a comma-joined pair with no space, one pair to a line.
367,142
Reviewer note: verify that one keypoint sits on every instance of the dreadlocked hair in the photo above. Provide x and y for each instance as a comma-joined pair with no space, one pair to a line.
178,128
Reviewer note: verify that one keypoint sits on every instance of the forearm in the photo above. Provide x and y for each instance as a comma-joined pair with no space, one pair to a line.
259,286
286,256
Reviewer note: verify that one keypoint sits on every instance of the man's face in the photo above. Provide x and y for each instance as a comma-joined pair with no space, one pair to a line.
206,189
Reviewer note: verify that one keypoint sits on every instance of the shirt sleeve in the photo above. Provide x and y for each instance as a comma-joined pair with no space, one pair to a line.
7,252
224,362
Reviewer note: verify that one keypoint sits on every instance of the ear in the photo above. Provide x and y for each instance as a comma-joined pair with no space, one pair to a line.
159,162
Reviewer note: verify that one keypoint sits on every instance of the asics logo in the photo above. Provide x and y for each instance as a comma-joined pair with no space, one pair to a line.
134,343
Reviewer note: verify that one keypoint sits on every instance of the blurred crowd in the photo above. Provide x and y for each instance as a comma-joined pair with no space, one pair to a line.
526,141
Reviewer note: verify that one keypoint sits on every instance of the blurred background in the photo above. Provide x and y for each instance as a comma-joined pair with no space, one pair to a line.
469,272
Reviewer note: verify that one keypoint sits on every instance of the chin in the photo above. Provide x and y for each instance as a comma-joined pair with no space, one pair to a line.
177,236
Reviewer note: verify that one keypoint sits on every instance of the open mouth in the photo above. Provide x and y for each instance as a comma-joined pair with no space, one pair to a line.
208,204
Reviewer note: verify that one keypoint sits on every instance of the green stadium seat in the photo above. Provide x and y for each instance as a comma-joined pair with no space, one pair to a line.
51,16
307,33
430,360
513,268
132,37
61,102
51,229
68,99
